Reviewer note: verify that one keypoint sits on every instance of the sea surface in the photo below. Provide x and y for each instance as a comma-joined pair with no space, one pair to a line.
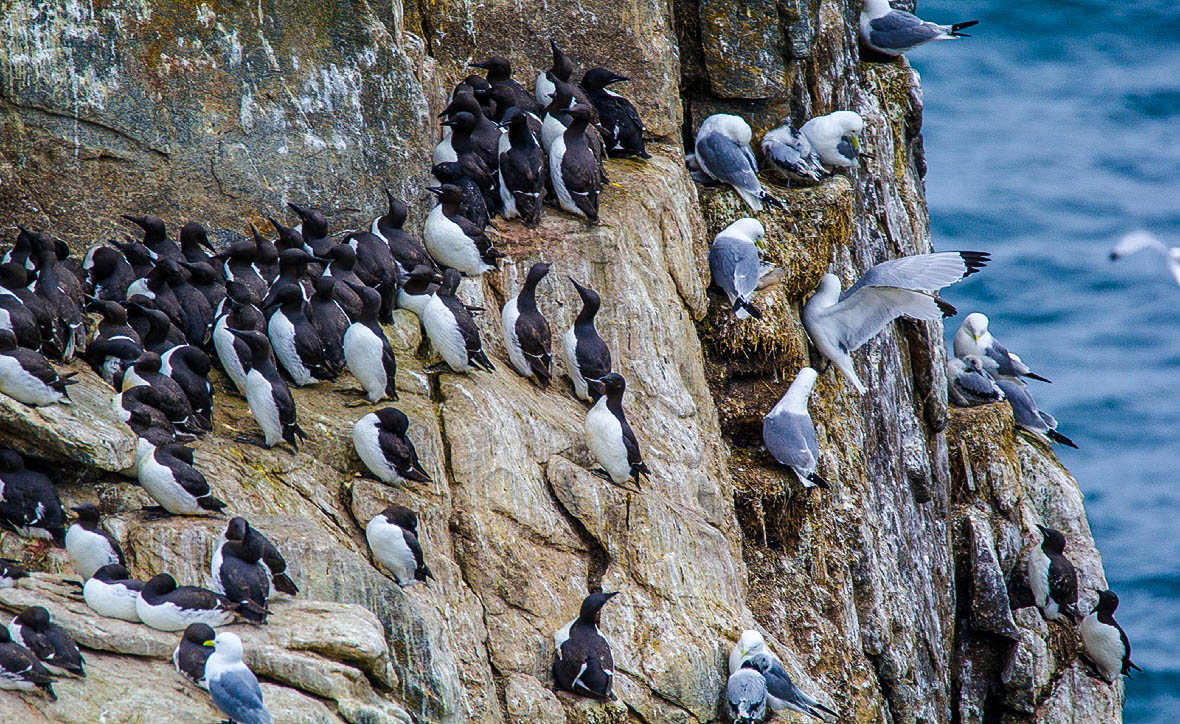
1049,133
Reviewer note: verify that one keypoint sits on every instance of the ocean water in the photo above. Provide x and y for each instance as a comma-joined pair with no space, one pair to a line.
1049,133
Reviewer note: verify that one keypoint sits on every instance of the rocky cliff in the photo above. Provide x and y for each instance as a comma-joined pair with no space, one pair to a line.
896,596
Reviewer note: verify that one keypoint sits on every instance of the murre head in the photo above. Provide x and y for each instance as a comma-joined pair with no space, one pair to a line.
315,224
536,273
240,293
236,529
87,512
199,633
761,663
610,386
324,287
448,172
112,572
450,285
160,584
396,215
153,228
288,237
562,66
148,362
462,122
201,272
463,103
580,115
596,79
448,194
7,340
393,420
402,517
1052,540
590,299
35,617
1108,601
498,68
193,235
592,606
974,363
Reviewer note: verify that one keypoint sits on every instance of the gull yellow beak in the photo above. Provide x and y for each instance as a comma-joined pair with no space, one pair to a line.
208,643
856,143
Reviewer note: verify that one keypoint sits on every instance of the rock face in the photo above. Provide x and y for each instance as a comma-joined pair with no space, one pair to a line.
895,596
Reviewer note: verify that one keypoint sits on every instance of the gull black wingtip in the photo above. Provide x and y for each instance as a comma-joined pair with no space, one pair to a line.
1034,376
1059,438
962,26
975,260
948,309
819,483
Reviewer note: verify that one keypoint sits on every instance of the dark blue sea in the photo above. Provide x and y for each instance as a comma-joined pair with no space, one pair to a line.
1049,133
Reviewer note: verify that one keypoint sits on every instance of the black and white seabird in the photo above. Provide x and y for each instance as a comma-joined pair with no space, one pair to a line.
790,154
408,251
113,322
239,265
156,331
19,319
342,271
273,563
482,138
781,692
839,323
736,266
243,316
723,152
14,281
584,663
367,351
313,227
89,544
610,438
617,117
155,237
973,338
189,367
112,592
20,670
239,573
375,266
382,444
562,69
206,279
293,271
330,319
1052,577
968,385
141,259
190,655
108,273
393,537
231,684
194,244
473,206
789,433
49,642
526,333
1028,416
746,696
173,402
157,286
453,240
573,169
27,377
1104,643
139,407
10,572
451,329
295,341
586,356
500,74
836,138
167,607
168,475
28,500
47,285
523,172
420,285
894,32
267,394
111,358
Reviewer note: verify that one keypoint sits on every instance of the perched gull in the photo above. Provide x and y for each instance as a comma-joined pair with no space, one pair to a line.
232,685
791,154
839,323
893,32
723,152
968,385
745,696
1141,240
736,268
1028,417
974,339
836,138
781,691
789,434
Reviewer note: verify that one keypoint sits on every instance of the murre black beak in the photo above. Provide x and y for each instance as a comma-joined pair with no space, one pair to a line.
597,385
481,65
436,190
450,123
618,79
